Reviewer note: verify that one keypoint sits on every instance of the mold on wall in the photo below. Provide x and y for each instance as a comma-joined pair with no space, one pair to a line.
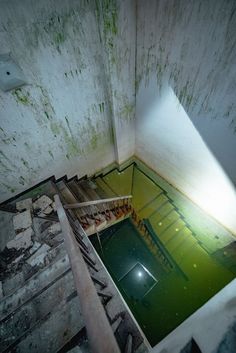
191,46
62,121
185,71
118,35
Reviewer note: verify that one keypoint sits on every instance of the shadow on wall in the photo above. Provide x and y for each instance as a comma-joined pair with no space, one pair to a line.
169,143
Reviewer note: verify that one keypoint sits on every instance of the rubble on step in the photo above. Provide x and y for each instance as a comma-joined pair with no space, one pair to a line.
42,205
22,240
22,221
54,229
39,257
35,245
25,204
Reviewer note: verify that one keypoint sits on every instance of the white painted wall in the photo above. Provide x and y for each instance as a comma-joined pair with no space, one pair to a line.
168,142
120,67
181,75
84,61
63,121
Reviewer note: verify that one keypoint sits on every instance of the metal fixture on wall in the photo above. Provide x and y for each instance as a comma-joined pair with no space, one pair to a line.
11,75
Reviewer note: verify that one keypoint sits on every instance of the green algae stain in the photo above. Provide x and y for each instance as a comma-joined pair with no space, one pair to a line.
47,115
27,145
55,128
2,155
9,188
51,154
94,141
66,134
56,29
4,167
26,164
127,111
110,17
22,180
9,140
101,107
107,16
59,38
22,96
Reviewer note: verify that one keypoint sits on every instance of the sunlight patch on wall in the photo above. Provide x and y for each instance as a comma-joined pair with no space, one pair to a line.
169,143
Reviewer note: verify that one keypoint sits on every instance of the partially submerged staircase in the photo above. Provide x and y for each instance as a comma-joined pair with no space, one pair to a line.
40,310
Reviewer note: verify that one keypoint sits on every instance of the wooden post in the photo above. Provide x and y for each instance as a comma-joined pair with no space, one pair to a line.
99,331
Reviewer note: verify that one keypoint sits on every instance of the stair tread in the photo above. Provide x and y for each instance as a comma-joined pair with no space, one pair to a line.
52,333
106,189
36,309
162,212
152,207
34,285
76,190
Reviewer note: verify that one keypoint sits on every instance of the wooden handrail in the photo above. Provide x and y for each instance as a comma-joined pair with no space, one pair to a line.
96,202
99,331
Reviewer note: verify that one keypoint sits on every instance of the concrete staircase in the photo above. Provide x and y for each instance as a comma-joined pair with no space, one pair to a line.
97,216
152,202
39,307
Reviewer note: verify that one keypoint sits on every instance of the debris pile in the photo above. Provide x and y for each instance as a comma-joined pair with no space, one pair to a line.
37,242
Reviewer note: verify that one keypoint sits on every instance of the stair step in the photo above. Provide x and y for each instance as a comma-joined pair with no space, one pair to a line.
144,191
34,285
66,192
120,181
82,348
184,248
161,213
129,344
35,309
116,323
78,192
141,349
52,332
173,243
152,207
105,188
91,193
68,197
171,230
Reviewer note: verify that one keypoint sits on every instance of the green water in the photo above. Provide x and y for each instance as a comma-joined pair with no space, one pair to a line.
158,299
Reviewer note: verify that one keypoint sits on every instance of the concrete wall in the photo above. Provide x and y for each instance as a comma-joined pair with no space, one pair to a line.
91,64
68,116
185,79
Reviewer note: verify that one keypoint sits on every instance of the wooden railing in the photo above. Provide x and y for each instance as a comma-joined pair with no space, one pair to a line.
99,331
97,202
